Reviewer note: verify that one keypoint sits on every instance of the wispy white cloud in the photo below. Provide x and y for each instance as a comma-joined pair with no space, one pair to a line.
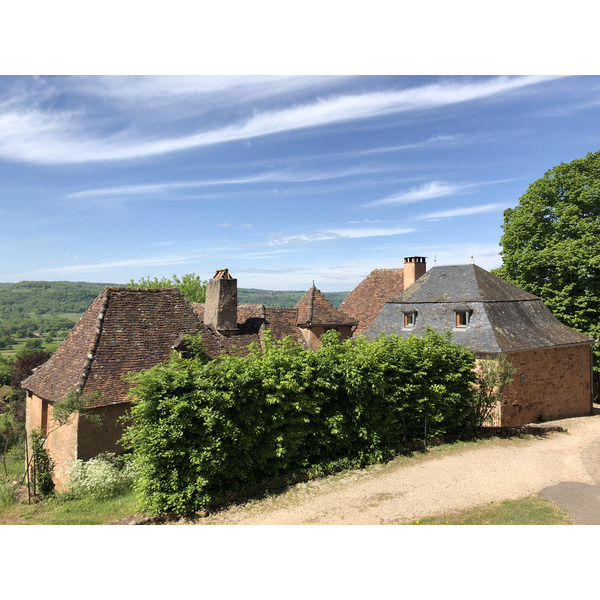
159,188
436,140
434,189
337,234
486,256
366,221
372,231
40,136
462,212
425,191
159,261
286,176
168,89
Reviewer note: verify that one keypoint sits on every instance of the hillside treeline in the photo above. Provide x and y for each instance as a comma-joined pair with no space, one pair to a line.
53,307
30,307
282,298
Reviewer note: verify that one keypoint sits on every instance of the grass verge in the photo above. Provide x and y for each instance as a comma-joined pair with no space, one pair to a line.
532,510
57,511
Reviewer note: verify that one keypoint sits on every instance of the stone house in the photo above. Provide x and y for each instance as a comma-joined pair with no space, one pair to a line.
124,330
491,316
367,299
127,330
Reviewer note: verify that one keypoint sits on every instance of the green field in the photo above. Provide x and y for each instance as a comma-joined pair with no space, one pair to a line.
20,344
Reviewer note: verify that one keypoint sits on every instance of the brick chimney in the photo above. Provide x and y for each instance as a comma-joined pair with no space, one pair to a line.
414,267
220,307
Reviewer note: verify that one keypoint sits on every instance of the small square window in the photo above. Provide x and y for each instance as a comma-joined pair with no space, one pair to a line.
462,318
409,320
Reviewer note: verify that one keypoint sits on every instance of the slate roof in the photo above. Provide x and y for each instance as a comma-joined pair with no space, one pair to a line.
314,309
503,317
124,330
368,298
461,283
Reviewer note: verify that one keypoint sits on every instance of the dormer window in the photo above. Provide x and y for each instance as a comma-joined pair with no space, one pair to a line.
462,318
409,320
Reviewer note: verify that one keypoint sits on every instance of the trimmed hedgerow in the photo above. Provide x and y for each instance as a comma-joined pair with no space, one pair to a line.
203,430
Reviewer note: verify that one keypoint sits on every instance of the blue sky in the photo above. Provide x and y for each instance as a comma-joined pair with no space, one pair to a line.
285,180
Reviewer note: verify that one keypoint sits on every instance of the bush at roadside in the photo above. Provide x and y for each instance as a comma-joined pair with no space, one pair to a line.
202,430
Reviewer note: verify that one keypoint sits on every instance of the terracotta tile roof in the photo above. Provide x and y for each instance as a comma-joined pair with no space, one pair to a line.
250,311
368,298
282,322
199,310
69,366
127,330
254,320
314,309
124,330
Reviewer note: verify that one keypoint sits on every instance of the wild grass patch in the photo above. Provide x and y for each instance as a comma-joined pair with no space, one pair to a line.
531,510
62,511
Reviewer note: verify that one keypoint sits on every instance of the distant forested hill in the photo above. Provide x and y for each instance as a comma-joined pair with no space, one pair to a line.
282,297
44,306
31,307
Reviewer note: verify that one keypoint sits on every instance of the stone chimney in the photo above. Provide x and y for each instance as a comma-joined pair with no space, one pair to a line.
414,267
220,308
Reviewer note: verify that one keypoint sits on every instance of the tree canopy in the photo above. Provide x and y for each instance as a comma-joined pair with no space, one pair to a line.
190,285
551,243
24,366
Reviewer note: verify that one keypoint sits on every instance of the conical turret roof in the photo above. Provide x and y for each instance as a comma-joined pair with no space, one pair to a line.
314,309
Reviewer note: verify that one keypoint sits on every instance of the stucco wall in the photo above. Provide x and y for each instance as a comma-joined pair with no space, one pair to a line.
79,438
33,413
94,439
312,335
61,440
551,383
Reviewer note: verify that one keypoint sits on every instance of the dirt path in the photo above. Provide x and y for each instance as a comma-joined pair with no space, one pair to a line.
444,480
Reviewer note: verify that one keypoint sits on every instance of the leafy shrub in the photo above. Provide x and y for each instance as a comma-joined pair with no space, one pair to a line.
493,375
205,430
43,465
100,478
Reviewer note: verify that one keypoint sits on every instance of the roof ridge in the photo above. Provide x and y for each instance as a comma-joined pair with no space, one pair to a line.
311,304
87,365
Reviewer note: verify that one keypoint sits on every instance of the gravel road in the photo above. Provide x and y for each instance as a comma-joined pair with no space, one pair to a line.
446,479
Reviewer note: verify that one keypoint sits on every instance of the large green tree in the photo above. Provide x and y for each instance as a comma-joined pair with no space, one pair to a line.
551,243
190,285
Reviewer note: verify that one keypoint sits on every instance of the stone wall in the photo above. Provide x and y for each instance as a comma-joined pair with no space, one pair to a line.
549,384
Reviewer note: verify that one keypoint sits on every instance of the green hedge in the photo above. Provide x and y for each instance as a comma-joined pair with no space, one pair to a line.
203,430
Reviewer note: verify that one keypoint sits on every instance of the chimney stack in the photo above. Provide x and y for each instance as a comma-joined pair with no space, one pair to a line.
414,267
220,308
